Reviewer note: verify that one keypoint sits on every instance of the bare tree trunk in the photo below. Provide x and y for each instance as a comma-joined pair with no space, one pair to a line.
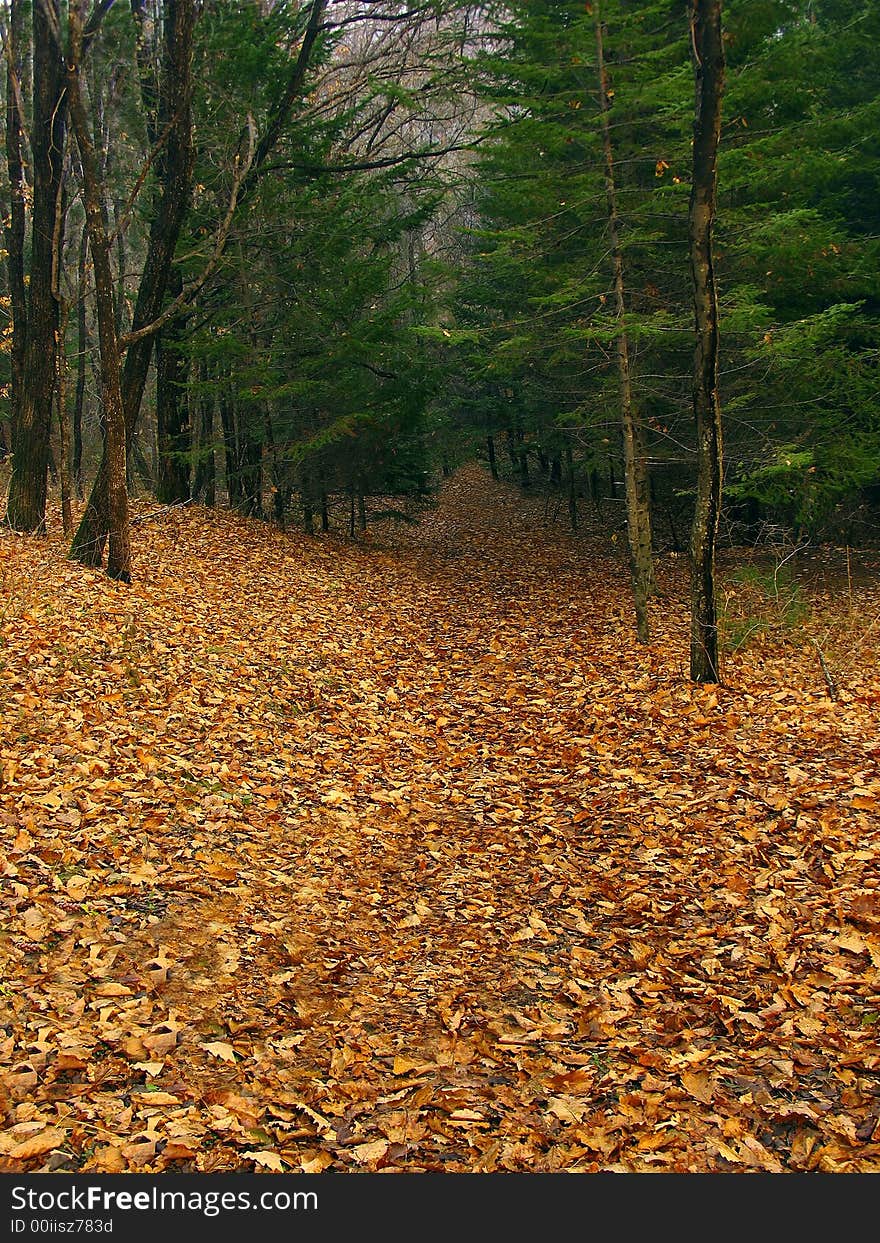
638,506
63,423
174,170
26,504
119,554
16,228
82,337
175,175
708,55
172,408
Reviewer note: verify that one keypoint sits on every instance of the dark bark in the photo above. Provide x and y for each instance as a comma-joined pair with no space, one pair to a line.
26,504
572,491
638,507
204,484
65,472
83,349
708,57
172,408
490,449
230,443
15,230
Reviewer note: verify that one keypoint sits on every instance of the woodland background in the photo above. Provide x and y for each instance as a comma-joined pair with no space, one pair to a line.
383,812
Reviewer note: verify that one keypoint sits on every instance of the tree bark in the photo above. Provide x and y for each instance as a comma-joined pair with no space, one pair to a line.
174,171
708,57
638,507
175,174
83,349
119,553
172,409
16,228
26,503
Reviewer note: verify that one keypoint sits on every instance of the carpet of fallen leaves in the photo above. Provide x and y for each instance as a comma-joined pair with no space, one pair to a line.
401,855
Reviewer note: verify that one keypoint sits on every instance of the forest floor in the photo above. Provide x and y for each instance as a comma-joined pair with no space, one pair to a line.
402,855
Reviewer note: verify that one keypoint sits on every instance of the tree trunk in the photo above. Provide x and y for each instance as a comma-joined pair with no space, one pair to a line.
63,424
174,173
490,449
15,229
708,54
204,484
572,490
638,508
26,504
119,553
172,408
83,349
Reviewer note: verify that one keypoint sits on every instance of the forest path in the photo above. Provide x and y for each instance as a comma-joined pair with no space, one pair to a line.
403,855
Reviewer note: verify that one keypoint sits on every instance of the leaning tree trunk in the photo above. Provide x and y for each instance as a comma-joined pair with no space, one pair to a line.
119,554
26,504
638,501
708,54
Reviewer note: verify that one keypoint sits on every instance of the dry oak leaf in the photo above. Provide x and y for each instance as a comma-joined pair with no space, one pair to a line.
38,1145
373,1151
701,1087
219,1048
270,1160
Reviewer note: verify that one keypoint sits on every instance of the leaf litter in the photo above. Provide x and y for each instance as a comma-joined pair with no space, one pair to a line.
403,856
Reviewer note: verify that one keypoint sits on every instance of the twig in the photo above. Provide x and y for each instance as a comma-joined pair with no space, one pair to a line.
158,512
832,689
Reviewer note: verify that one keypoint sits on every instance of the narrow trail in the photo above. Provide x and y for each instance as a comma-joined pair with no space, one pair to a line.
404,855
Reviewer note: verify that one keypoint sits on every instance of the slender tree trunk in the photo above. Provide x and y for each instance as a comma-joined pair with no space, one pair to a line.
708,55
119,554
230,443
172,408
490,449
308,512
174,169
64,423
638,507
26,504
82,354
572,490
15,229
174,172
204,484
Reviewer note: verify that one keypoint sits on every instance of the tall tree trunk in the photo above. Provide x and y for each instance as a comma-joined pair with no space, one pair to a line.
82,354
26,504
708,57
172,407
490,450
119,553
16,228
63,424
638,504
174,169
230,442
204,483
174,172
